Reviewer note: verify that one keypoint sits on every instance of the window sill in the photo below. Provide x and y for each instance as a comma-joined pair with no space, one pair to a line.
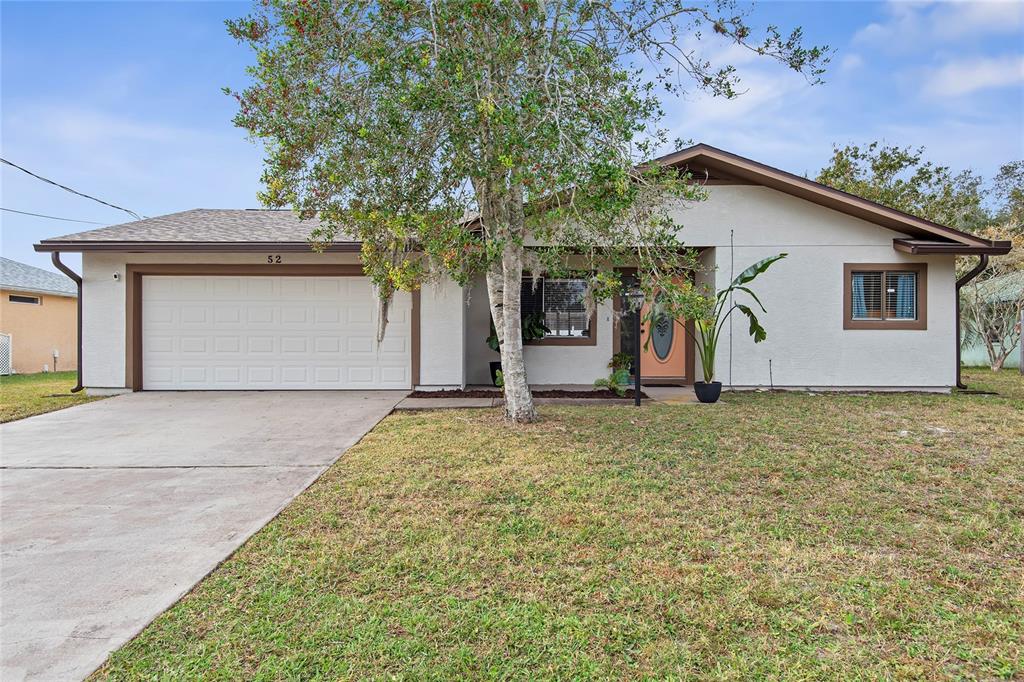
563,341
885,324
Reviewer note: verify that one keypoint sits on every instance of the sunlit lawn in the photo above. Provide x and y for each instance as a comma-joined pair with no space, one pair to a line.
770,536
23,395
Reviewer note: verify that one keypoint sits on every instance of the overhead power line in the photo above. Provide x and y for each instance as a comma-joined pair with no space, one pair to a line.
73,191
51,217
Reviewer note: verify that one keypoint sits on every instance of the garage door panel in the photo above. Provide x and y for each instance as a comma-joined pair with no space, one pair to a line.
270,332
227,286
256,288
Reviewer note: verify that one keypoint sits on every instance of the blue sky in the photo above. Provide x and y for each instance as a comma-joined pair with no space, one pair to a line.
123,101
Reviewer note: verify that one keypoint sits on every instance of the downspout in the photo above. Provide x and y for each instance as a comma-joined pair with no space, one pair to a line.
55,257
982,264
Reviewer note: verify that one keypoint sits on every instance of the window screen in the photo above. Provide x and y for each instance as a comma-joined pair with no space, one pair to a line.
561,302
883,295
14,298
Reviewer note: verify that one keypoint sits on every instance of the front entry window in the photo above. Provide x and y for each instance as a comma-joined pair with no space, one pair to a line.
561,302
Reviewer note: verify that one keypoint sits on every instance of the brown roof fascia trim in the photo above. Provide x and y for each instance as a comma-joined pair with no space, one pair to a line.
185,247
829,197
994,248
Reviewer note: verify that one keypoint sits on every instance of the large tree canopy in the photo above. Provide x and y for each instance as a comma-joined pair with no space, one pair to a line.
450,136
902,178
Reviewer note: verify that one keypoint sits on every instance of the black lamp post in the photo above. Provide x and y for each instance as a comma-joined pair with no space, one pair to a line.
636,300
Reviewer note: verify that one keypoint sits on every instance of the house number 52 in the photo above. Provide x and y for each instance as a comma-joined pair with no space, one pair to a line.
274,259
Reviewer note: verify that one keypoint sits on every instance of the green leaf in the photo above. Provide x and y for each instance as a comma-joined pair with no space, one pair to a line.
756,330
753,296
754,270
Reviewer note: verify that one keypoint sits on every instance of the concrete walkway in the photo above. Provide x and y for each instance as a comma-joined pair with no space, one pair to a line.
111,511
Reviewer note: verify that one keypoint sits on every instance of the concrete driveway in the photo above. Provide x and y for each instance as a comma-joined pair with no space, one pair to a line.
111,511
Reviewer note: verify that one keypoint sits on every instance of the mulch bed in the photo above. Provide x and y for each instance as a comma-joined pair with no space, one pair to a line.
602,394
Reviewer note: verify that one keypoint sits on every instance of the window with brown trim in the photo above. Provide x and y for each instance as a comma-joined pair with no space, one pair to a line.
560,302
885,296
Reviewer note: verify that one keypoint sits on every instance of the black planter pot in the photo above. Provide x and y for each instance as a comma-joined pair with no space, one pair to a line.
495,368
707,393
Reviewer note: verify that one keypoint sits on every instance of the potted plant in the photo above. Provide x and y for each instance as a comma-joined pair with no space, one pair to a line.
533,328
708,326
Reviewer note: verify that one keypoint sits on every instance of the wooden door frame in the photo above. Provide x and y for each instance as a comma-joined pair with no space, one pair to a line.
133,302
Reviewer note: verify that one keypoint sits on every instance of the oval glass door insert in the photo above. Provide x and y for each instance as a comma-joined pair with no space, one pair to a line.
661,336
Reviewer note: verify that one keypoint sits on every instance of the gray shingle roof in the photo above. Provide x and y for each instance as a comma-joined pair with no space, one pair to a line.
204,225
20,277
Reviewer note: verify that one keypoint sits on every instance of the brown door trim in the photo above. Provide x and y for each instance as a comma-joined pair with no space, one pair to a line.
133,302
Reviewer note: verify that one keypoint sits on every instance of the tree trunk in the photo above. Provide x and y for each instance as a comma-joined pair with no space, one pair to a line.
995,358
518,399
503,213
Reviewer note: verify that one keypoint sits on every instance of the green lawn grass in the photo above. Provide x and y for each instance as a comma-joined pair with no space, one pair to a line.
1007,382
770,536
23,395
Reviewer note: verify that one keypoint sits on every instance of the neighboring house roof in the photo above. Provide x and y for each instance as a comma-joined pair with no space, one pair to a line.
15,276
1008,287
257,230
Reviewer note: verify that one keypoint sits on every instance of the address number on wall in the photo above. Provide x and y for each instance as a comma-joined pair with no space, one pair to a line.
275,259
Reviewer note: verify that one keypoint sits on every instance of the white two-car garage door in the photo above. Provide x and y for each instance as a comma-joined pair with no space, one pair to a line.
235,333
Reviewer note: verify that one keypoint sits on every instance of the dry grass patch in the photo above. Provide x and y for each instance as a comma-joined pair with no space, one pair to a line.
782,536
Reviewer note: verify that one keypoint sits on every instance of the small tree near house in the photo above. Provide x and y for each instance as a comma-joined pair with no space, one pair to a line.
449,136
991,305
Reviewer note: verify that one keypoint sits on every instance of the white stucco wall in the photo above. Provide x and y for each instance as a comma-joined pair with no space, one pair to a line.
442,317
806,344
103,313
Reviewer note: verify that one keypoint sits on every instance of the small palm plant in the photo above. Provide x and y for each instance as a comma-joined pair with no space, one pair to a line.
709,321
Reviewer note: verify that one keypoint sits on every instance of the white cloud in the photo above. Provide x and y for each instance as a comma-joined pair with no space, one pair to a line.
851,62
956,19
912,23
962,77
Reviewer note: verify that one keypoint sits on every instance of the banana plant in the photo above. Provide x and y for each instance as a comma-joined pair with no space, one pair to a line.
708,328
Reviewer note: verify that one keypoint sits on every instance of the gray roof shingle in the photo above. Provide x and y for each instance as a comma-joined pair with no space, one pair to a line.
20,277
204,225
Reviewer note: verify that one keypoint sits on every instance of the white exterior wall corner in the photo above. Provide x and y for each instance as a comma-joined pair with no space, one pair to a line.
442,336
807,345
103,321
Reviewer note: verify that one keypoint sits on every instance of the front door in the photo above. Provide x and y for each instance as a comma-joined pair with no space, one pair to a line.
666,350
663,350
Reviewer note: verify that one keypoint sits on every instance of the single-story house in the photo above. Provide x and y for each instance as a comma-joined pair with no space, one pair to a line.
235,299
38,319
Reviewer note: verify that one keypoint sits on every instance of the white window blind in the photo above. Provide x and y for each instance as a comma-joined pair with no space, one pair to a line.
561,302
884,295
